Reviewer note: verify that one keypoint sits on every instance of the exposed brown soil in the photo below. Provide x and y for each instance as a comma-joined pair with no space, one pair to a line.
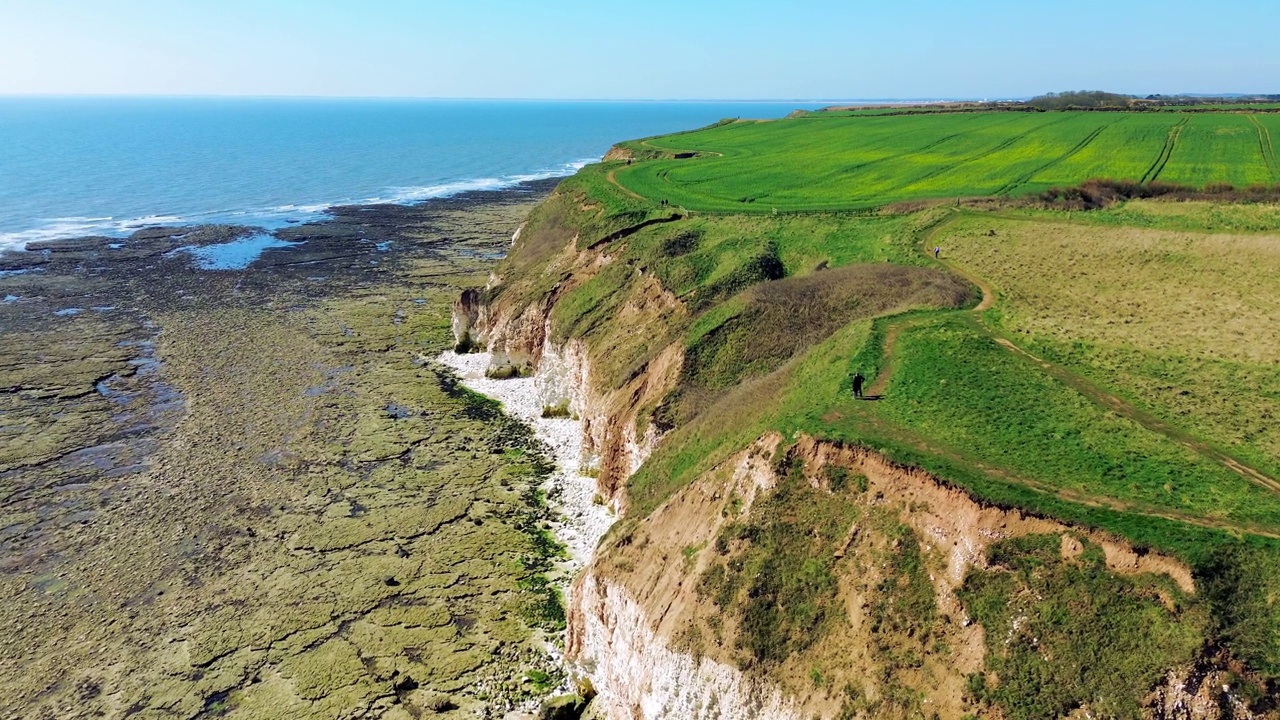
660,561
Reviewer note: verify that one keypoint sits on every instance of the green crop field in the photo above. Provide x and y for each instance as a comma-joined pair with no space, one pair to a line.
853,162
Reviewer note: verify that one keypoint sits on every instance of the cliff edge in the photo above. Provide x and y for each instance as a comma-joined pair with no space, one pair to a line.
777,557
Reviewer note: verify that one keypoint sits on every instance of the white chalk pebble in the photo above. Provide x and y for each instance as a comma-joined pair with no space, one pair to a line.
582,522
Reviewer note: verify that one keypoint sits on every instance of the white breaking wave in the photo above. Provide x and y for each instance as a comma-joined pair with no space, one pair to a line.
405,195
71,227
312,208
56,228
269,218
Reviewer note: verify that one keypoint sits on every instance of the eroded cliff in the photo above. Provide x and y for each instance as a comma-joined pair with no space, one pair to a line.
796,576
514,319
815,579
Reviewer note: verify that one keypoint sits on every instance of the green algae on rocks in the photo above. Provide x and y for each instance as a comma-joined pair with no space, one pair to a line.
242,494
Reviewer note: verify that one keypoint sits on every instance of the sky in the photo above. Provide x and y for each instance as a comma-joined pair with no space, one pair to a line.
660,49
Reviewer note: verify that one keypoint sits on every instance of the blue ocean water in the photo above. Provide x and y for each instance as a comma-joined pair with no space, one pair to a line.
233,255
77,166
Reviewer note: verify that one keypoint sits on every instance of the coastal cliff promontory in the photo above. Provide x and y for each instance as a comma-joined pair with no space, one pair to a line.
785,549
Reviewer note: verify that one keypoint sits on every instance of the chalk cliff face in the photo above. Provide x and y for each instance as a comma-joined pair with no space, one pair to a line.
614,445
625,618
639,675
656,621
657,646
466,313
617,436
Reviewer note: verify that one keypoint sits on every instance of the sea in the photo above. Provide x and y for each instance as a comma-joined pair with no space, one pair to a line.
73,166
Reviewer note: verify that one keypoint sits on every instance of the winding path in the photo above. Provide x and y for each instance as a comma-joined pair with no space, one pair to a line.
1111,402
895,326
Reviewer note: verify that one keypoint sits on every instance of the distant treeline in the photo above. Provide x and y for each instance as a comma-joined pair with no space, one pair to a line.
1100,100
1080,99
1096,100
1197,100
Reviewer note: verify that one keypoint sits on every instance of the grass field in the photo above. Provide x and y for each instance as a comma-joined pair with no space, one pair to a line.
1194,342
855,162
954,385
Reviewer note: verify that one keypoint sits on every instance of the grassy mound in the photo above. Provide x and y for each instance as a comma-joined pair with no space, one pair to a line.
756,332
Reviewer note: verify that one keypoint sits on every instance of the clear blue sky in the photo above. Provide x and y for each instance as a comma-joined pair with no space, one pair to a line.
712,49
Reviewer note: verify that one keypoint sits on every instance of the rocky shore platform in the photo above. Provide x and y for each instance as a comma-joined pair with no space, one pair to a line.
231,487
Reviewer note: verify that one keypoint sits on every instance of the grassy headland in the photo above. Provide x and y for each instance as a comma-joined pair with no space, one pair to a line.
1114,369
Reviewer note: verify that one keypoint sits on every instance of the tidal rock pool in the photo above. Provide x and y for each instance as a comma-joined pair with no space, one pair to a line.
235,255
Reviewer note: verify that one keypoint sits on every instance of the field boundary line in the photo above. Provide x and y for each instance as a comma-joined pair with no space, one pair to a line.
895,327
1077,497
1074,380
1088,140
1096,393
1166,152
1062,492
979,156
1125,409
1264,145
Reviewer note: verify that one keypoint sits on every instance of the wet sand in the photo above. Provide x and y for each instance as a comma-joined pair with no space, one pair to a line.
241,493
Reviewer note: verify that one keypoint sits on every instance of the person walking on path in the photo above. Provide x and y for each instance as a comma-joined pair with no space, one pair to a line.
936,249
858,380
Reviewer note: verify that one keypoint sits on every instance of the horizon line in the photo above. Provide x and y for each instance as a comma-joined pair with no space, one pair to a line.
445,98
262,96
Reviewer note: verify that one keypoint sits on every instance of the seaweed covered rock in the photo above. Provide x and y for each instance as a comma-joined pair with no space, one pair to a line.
563,707
466,313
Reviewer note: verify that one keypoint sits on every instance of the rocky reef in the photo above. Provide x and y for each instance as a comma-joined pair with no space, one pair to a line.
243,492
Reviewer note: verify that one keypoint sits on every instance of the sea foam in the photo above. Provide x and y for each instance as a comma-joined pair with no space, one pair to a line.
268,218
409,195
